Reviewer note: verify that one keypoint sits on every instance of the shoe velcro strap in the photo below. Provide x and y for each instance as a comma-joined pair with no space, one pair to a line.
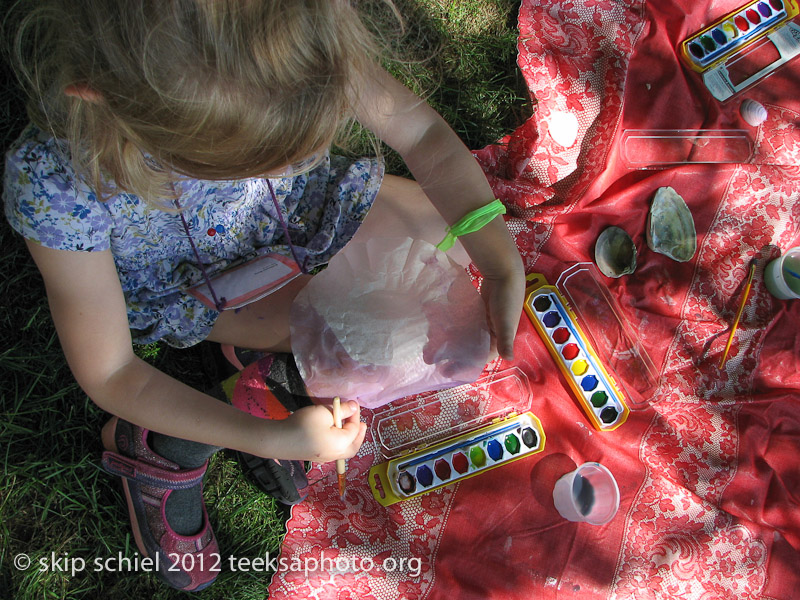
152,475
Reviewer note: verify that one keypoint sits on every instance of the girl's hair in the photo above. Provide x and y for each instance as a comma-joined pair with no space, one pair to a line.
212,89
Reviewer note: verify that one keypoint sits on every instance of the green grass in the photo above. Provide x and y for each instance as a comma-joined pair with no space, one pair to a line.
460,55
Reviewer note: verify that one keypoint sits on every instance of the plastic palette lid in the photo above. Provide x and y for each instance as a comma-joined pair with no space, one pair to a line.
406,425
612,336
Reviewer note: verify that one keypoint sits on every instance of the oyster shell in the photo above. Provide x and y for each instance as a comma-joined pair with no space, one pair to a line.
670,226
615,253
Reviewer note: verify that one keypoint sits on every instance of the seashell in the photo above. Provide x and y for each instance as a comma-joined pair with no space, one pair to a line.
615,253
753,112
670,226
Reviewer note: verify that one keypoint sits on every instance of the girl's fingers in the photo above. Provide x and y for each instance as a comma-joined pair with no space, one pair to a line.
358,431
504,303
351,411
352,426
362,433
506,331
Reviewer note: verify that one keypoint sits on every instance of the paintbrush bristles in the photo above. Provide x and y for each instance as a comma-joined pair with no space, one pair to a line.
340,464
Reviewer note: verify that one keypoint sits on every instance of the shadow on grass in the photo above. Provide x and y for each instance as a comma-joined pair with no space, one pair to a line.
461,57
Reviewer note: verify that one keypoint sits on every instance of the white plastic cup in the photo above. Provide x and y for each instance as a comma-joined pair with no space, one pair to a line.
778,275
588,494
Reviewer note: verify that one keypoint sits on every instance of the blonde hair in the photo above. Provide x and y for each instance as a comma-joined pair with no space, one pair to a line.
212,89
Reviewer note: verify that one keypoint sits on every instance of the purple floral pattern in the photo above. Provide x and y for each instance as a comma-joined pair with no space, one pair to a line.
229,222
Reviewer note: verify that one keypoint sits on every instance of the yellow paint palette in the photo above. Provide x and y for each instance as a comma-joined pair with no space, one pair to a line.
458,458
727,35
596,391
743,47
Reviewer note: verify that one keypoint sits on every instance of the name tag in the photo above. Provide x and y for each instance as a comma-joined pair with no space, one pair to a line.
246,283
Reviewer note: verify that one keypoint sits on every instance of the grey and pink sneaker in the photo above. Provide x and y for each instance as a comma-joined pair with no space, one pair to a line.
189,563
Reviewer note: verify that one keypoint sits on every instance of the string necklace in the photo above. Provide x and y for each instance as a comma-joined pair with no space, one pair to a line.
220,304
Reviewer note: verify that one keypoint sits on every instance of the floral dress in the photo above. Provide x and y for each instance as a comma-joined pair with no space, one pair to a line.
229,222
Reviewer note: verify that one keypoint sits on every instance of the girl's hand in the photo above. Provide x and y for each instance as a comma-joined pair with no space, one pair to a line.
504,297
503,288
312,435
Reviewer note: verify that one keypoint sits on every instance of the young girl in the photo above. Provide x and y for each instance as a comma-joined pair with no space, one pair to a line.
172,139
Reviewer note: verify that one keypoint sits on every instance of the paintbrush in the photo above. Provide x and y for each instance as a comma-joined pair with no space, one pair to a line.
738,314
340,464
792,273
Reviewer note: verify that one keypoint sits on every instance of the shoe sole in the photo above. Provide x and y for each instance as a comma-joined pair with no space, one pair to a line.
271,477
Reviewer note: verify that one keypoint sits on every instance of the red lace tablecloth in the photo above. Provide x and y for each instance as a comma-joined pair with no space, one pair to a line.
708,473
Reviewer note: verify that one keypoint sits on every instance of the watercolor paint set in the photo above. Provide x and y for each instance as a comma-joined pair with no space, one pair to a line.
611,333
460,457
445,426
746,45
725,36
595,389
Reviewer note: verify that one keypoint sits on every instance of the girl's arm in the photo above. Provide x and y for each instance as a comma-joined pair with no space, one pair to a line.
455,184
89,312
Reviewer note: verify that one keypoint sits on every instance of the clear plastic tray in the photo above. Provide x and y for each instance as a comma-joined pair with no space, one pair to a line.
612,336
754,62
661,148
426,419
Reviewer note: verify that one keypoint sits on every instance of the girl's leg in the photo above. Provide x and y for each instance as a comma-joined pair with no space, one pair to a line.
261,325
184,507
401,209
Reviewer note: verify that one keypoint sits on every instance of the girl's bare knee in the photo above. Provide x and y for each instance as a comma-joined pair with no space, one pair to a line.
263,324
